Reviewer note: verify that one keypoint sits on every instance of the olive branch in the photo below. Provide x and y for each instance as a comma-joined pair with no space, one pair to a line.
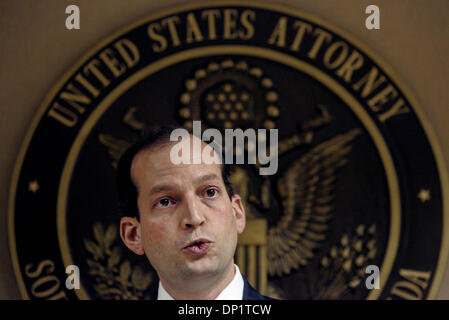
343,267
114,276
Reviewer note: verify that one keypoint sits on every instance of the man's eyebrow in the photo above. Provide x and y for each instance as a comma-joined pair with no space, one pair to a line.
207,177
161,187
166,187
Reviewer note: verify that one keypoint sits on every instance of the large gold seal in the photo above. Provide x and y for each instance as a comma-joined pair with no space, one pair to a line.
359,184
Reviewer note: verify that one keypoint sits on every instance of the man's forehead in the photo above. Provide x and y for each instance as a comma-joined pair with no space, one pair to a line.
155,161
159,151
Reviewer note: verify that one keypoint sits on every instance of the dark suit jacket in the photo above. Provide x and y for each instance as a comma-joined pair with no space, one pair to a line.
249,293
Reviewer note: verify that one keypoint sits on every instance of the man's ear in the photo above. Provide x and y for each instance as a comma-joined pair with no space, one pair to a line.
130,232
239,212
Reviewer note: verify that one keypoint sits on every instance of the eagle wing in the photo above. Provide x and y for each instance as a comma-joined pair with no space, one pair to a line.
307,192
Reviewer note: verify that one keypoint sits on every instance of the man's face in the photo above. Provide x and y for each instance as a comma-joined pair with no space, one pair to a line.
188,224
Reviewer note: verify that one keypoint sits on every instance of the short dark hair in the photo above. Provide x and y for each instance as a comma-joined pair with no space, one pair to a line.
127,190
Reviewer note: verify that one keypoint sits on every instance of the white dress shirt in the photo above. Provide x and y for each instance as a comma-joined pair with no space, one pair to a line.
233,291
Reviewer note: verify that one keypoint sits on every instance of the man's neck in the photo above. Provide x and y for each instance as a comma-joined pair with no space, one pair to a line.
200,288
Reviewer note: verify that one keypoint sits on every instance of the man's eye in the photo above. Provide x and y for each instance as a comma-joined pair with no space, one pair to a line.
164,202
211,193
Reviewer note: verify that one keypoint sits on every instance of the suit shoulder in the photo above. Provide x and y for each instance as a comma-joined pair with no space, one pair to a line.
249,293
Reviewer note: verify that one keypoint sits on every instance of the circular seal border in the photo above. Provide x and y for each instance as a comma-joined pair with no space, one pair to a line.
444,248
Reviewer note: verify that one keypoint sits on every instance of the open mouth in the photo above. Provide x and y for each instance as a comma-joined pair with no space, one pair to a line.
198,247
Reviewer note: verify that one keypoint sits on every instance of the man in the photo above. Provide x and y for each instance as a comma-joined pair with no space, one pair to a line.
185,218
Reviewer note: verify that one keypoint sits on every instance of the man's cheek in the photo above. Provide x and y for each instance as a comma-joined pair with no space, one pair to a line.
155,233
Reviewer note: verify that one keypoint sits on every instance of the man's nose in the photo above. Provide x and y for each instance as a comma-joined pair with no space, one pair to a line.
192,217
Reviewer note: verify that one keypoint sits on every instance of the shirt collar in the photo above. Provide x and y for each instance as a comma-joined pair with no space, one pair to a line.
233,291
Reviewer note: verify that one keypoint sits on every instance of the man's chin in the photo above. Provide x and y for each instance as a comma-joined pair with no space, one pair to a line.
201,267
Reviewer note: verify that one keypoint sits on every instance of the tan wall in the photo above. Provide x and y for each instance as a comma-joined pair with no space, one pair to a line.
36,49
